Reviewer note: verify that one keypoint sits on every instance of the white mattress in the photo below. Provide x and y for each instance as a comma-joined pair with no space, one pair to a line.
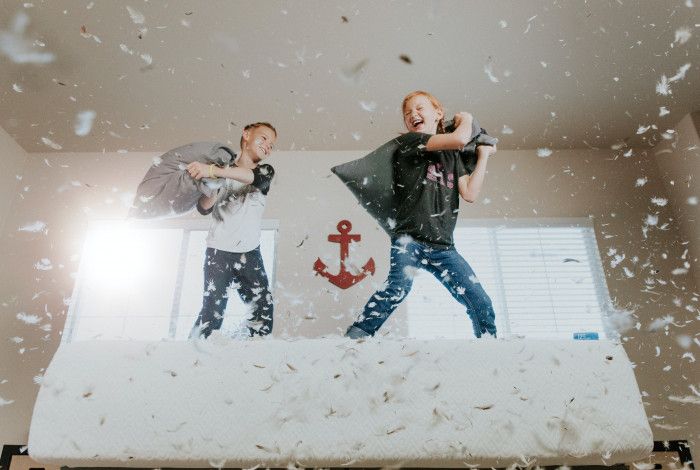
337,402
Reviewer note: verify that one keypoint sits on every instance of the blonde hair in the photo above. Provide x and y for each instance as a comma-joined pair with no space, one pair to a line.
434,101
231,189
258,124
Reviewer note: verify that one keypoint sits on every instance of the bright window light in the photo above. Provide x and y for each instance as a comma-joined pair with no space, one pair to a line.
143,281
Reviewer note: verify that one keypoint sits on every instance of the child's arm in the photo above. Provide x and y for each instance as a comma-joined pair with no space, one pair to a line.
260,177
470,185
205,204
455,140
199,170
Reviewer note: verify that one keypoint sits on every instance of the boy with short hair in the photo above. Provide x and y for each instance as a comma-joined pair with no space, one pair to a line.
233,244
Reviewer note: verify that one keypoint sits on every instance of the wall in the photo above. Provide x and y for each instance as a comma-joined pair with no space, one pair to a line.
12,161
679,162
308,201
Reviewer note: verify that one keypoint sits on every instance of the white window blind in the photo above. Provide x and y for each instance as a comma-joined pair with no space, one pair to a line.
544,278
144,281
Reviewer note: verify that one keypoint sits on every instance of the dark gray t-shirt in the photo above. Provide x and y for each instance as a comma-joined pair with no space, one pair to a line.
427,195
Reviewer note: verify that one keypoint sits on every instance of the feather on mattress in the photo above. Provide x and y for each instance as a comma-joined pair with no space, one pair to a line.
337,402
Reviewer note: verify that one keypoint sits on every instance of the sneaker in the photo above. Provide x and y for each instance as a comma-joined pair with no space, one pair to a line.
356,333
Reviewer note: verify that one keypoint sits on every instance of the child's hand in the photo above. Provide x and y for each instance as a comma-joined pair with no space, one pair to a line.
198,170
486,150
459,117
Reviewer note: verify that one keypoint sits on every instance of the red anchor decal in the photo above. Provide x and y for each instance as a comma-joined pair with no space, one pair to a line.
344,278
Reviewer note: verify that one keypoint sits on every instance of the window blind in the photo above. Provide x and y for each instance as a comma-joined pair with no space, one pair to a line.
545,280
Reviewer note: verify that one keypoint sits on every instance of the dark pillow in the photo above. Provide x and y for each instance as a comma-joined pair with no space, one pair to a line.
479,137
370,178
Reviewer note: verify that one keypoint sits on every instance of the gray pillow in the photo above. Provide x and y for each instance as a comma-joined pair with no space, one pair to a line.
168,190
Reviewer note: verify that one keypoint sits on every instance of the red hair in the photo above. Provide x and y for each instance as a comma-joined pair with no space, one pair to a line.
434,101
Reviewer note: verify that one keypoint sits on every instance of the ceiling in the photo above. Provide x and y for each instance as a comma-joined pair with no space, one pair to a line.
330,75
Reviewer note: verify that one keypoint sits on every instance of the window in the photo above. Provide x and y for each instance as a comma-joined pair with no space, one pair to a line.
144,280
544,277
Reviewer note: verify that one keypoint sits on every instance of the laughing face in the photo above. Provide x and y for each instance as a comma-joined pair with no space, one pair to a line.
420,115
259,142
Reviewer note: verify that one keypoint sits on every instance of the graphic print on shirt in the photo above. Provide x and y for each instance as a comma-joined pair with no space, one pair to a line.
233,196
436,172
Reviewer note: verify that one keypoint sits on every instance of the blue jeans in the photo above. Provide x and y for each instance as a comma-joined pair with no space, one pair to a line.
247,272
447,266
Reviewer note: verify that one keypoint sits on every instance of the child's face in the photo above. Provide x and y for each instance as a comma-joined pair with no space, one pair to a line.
259,142
419,115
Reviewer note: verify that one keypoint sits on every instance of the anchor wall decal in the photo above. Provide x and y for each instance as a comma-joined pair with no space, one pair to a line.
344,278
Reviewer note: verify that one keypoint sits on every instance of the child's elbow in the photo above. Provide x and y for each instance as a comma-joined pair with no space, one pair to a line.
468,197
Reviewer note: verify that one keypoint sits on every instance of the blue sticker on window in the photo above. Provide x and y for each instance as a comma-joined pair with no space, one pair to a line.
588,335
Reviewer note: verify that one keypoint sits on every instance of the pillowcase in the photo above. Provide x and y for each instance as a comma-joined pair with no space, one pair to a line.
168,190
371,181
479,137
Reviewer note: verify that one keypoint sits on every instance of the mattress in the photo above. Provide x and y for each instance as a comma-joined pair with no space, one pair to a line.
339,402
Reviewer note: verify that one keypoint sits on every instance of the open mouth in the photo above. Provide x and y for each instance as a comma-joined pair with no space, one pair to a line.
415,122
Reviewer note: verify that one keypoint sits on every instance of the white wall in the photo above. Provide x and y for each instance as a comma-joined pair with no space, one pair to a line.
309,201
679,162
12,161
12,166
